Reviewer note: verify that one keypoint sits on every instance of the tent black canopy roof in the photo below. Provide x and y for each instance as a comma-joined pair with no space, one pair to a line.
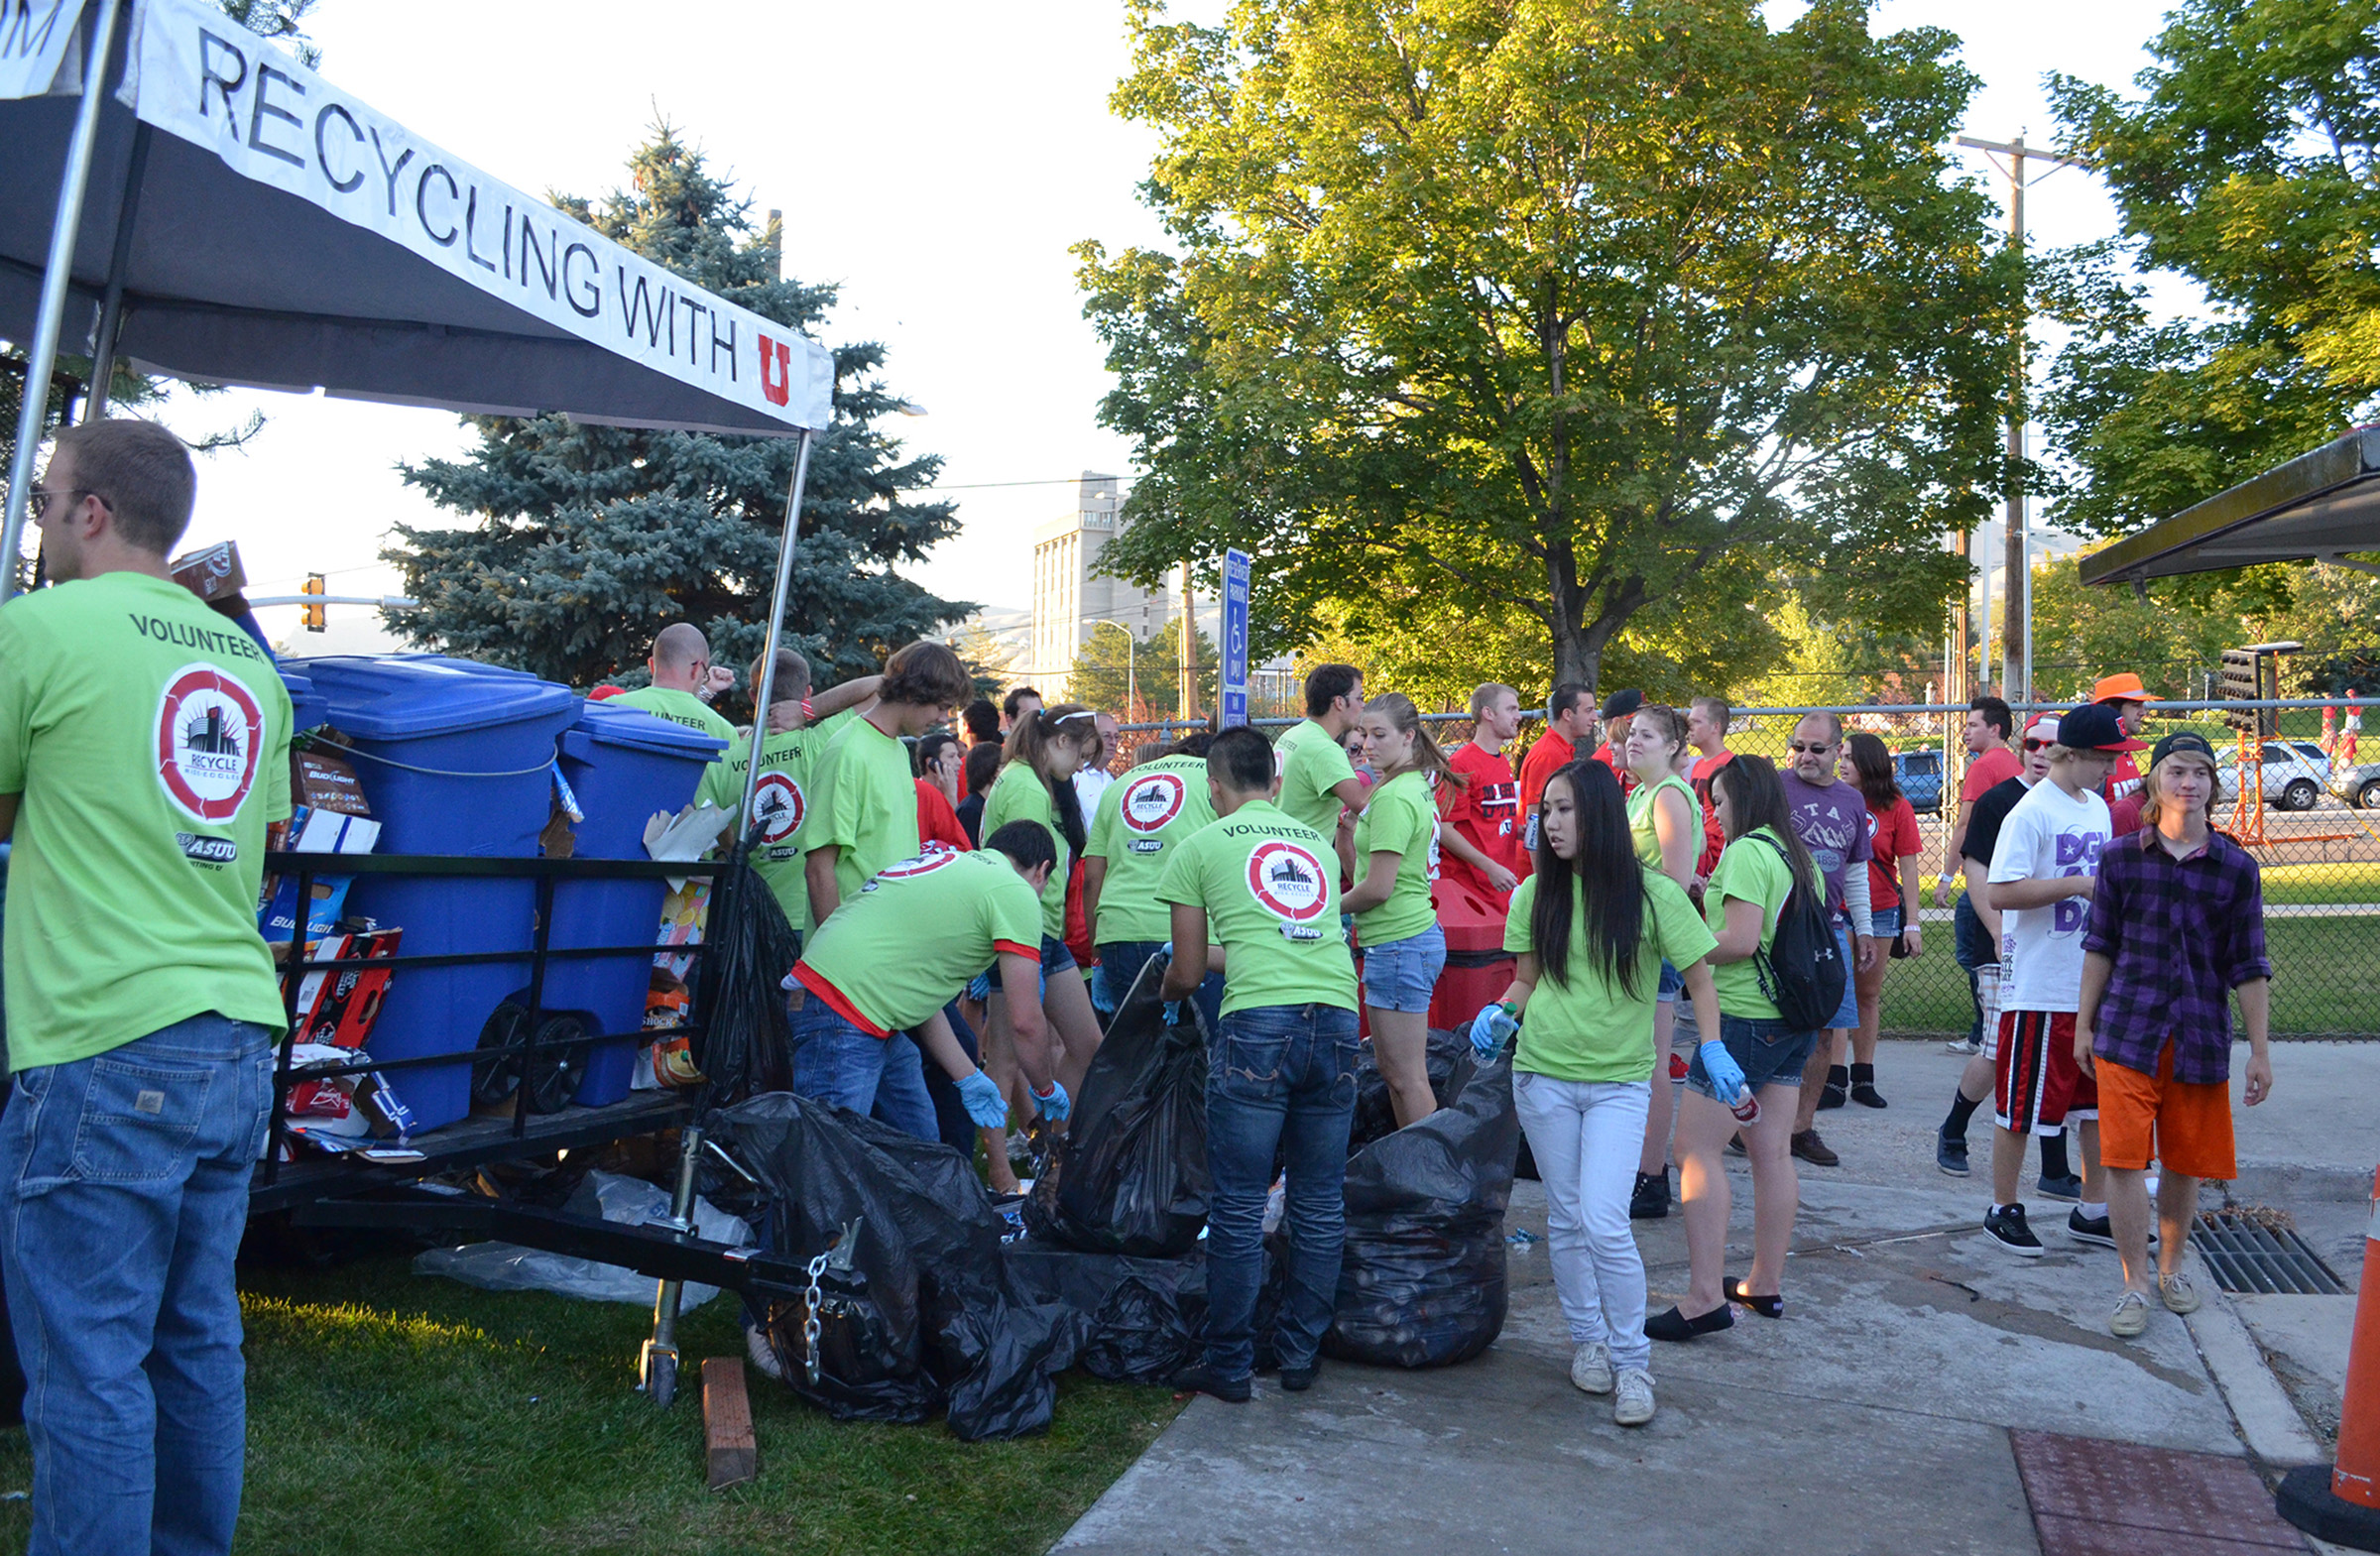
2316,507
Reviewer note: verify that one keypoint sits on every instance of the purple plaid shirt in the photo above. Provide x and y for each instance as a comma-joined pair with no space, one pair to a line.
2183,934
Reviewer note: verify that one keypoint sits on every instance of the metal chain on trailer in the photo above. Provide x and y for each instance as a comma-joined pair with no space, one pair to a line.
810,1321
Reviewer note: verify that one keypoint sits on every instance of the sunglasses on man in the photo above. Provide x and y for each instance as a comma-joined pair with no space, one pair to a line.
1815,747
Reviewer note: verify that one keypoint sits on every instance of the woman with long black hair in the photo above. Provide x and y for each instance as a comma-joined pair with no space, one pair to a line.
1756,1053
1591,928
1045,749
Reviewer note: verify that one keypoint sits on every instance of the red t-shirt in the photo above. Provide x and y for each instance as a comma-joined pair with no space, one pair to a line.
1891,838
2123,781
1548,757
1486,812
2124,814
1715,837
1987,772
936,821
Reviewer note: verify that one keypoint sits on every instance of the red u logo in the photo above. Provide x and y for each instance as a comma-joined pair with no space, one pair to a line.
776,370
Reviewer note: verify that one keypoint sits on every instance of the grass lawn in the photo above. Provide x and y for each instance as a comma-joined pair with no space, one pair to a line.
400,1416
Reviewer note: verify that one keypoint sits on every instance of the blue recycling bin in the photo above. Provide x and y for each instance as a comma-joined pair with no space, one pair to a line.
305,702
622,766
454,758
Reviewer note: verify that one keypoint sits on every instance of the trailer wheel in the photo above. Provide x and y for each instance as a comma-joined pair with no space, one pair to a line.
495,1074
559,1071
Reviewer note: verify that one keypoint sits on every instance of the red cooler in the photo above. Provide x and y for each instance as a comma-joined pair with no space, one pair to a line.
1478,966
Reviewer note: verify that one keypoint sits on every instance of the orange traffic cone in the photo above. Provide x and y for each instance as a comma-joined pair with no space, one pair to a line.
2342,1505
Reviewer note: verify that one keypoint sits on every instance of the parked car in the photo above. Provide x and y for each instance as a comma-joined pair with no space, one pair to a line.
2358,786
2295,775
1919,772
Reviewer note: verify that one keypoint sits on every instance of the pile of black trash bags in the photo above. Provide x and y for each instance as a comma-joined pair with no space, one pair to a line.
929,1305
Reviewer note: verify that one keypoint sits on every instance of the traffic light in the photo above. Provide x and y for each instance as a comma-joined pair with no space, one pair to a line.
2253,675
316,616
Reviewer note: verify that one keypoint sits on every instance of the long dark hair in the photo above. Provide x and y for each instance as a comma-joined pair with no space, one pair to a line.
1756,800
1605,880
1873,763
1032,736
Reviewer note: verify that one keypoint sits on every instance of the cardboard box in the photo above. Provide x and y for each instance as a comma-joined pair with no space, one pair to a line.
320,780
350,998
213,573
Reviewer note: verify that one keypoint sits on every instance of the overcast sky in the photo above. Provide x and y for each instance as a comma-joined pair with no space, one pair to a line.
935,159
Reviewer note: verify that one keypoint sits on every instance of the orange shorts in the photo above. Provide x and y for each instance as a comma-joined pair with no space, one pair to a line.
2186,1127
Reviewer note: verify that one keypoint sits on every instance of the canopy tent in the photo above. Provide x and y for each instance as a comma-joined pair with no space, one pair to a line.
2317,507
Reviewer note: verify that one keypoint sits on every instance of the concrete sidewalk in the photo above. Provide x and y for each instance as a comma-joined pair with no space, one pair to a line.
1874,1419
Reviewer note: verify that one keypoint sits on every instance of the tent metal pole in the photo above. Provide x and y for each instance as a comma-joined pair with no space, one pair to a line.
56,275
777,625
111,307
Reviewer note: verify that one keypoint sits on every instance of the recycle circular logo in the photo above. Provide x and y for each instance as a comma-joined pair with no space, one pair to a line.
208,727
925,864
1288,879
777,805
1150,802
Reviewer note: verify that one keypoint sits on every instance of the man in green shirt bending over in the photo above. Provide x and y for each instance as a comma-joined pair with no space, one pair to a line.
144,747
1282,1064
682,682
1319,785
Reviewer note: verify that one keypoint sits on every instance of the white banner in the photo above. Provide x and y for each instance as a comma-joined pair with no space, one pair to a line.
36,39
215,84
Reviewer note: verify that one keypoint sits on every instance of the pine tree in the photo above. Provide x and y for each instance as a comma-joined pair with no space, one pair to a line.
589,540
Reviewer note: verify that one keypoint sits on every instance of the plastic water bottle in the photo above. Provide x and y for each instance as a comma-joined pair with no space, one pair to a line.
1746,1108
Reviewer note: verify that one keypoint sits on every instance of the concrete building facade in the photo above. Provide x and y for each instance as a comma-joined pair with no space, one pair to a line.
1070,598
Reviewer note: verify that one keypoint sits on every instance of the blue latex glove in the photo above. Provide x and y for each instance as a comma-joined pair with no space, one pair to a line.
1492,1028
1726,1076
979,988
1173,1013
1055,1104
985,1105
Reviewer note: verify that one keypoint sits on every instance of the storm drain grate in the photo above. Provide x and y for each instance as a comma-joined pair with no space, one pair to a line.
2261,1252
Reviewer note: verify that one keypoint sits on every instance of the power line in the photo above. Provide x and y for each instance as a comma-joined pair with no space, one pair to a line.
980,486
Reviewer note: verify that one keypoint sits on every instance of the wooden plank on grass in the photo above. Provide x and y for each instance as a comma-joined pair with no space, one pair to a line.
735,1453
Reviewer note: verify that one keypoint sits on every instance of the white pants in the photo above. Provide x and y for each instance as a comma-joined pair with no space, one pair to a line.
1585,1137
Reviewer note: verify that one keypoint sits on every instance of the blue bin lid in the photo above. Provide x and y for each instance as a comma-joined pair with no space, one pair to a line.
410,696
639,729
305,702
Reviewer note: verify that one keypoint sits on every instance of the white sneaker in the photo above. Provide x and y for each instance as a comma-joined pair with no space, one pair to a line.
2180,1296
764,1355
1634,1406
2131,1316
1591,1367
1960,1045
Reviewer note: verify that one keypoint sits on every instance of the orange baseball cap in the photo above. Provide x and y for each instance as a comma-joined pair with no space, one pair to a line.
2125,687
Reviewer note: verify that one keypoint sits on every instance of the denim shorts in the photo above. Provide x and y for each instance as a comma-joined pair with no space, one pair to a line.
1404,974
1056,959
1846,1013
1888,922
1671,982
1770,1052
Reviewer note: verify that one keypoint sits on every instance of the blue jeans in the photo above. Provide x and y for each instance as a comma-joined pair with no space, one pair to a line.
1281,1078
834,1061
1119,963
123,1194
1769,1052
1970,946
1401,975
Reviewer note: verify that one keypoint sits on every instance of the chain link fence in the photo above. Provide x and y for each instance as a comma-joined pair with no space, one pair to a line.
2315,833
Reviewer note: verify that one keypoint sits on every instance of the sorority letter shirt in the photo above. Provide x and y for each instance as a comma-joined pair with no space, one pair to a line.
678,707
908,941
782,804
1142,818
2048,834
1312,765
1589,1026
1403,819
149,739
867,804
1270,888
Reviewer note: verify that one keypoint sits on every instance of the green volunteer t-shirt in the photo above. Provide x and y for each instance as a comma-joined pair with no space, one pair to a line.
678,707
1401,819
1312,765
1640,819
866,805
1270,888
148,739
910,939
1136,827
1019,795
1588,1027
783,802
1749,868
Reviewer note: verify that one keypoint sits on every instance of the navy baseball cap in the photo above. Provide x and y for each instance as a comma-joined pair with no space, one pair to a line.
2094,727
2188,741
1622,703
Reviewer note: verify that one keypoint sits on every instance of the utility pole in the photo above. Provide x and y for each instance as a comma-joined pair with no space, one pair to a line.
2016,618
1189,654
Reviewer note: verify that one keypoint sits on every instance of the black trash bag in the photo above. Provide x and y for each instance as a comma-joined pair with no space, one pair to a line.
914,1311
1375,1117
1422,1281
1129,1175
1145,1319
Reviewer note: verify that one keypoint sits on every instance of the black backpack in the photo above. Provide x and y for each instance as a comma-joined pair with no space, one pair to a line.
1802,970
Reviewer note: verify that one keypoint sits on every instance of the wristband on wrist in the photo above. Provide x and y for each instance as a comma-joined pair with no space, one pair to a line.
1039,1094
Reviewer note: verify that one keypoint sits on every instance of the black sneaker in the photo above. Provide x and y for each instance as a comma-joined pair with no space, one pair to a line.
2096,1229
1950,1153
1735,1144
1203,1381
1297,1380
2068,1188
2008,1228
1650,1201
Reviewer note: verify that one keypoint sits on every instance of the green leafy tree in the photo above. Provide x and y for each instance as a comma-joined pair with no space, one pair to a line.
1104,674
1607,315
2246,164
589,540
